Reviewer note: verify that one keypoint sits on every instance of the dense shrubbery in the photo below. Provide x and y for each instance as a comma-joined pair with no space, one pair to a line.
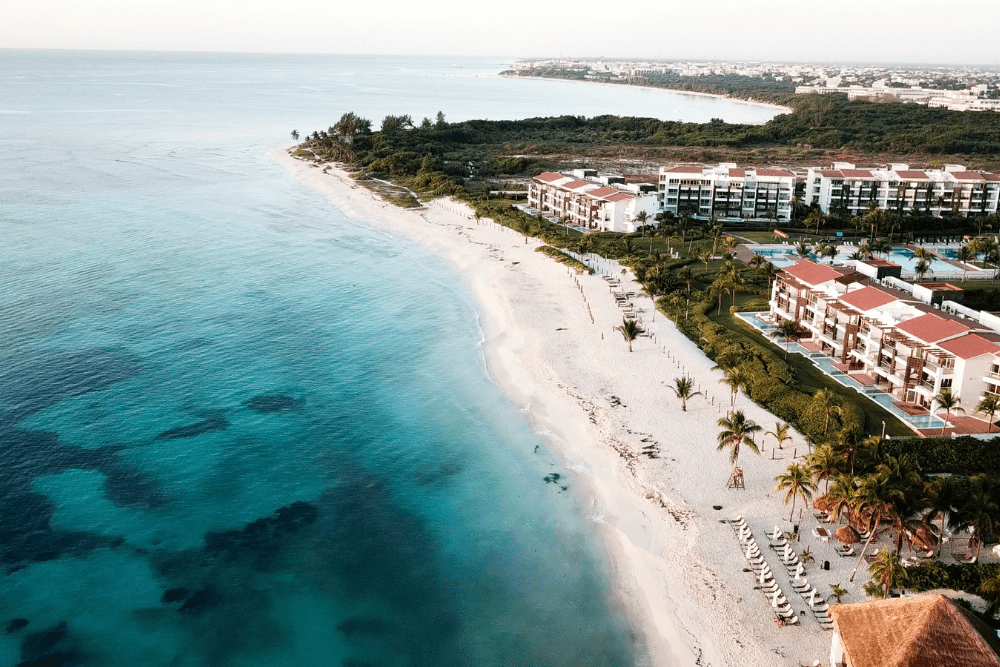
563,258
960,456
935,574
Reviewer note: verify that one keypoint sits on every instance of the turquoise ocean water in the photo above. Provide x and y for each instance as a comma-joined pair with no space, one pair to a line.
238,428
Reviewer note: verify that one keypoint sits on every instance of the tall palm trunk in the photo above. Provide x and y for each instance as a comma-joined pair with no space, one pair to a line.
863,550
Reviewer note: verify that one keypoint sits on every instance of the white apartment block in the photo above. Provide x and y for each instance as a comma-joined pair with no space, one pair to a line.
845,190
586,199
726,191
893,340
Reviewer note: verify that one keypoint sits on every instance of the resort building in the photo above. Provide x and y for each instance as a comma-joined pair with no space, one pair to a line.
907,341
848,191
593,201
726,191
922,631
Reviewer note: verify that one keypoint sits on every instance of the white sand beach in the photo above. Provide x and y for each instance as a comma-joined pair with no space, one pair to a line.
678,571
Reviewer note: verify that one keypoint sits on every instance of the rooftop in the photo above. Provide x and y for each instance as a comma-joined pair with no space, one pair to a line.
867,298
971,346
922,631
931,328
810,273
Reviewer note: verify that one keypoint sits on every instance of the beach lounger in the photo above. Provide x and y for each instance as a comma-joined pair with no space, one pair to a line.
792,620
802,587
846,553
773,536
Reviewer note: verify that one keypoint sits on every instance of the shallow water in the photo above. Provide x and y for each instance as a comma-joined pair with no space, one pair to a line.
238,428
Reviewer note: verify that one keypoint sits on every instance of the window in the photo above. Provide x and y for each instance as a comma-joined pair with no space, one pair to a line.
946,383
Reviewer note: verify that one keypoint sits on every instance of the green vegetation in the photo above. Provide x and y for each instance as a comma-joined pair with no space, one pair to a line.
563,258
960,456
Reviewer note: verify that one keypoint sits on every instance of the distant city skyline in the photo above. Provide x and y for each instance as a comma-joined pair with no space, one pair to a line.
855,31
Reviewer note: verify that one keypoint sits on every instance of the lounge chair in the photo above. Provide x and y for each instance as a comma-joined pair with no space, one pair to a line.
846,552
802,586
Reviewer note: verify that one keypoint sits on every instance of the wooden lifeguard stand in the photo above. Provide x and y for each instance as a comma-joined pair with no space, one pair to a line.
736,480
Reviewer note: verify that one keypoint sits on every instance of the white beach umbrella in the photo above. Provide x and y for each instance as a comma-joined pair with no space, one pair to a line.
774,598
799,571
787,553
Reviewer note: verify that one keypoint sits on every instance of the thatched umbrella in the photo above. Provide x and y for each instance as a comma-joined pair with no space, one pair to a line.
922,539
822,503
847,535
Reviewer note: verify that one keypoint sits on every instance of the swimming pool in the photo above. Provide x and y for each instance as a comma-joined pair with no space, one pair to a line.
826,364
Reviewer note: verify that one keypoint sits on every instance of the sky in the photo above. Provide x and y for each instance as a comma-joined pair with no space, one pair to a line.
883,31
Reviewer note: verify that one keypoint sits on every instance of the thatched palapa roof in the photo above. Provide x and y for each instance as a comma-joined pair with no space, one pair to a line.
822,503
923,631
847,535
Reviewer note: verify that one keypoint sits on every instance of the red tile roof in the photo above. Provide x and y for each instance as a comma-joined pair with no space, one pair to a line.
911,175
856,173
683,170
968,175
992,177
828,173
737,173
879,263
811,273
573,185
773,172
867,298
602,192
931,328
548,177
619,197
968,347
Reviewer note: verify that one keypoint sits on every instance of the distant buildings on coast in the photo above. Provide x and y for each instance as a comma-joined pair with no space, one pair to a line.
969,99
605,202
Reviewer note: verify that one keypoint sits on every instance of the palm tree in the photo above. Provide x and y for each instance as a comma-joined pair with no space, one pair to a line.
922,267
684,388
737,431
990,404
887,570
874,500
990,589
718,289
780,433
770,271
788,329
736,379
842,494
950,403
802,248
978,514
943,499
523,226
795,482
965,254
630,330
641,217
686,275
838,591
828,402
705,256
824,463
715,231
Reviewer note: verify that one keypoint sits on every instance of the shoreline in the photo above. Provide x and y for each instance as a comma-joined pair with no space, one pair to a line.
675,571
780,108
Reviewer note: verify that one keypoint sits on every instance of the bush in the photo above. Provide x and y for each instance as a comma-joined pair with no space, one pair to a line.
563,258
954,576
960,456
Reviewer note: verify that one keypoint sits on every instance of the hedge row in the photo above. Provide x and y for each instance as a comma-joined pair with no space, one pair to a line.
959,456
934,574
563,258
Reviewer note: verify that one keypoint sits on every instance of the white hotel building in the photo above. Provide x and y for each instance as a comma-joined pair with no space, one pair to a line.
726,191
600,203
909,344
845,190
